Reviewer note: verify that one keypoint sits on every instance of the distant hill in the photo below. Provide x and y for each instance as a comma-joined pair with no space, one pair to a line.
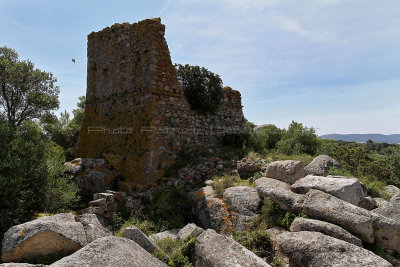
362,138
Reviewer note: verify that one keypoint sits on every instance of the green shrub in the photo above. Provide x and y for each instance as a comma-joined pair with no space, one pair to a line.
273,215
202,88
144,224
265,139
298,140
177,253
31,175
256,241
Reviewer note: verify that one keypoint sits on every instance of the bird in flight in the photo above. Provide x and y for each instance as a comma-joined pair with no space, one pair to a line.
73,60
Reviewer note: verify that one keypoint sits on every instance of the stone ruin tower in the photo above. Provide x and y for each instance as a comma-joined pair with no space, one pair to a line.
136,115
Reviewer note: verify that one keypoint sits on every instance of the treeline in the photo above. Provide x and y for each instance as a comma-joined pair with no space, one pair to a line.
373,161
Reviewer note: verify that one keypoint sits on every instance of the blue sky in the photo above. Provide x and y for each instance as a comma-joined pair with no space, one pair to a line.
330,64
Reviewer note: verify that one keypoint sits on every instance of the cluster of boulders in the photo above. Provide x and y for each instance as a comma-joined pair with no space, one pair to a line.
340,220
338,209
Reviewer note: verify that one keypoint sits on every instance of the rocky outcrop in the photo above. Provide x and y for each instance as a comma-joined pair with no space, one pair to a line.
347,189
134,234
211,212
323,206
387,225
213,249
380,202
316,249
273,234
303,224
286,170
110,251
95,226
246,167
189,230
243,203
392,190
280,193
321,164
58,234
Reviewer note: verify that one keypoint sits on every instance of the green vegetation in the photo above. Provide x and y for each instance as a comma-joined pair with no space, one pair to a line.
220,183
176,253
202,88
65,131
32,175
273,215
169,209
26,93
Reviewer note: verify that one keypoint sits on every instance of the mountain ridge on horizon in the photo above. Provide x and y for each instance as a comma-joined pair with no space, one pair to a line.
376,138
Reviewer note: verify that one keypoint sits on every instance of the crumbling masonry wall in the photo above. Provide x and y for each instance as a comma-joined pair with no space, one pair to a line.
136,115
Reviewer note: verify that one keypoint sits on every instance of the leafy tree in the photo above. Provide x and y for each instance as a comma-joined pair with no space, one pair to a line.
31,175
25,92
265,138
202,88
65,131
298,140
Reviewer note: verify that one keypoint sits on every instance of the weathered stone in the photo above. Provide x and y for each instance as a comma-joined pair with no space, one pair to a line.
380,202
303,224
392,190
243,203
48,235
98,202
286,170
212,249
189,230
246,167
110,251
136,114
133,233
273,234
94,226
172,234
280,193
321,164
107,196
387,225
367,203
211,212
323,206
316,249
347,189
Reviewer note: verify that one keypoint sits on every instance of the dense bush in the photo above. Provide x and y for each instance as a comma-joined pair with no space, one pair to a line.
298,140
31,175
202,88
265,138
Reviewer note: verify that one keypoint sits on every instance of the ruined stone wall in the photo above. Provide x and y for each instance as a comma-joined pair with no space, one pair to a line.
136,115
